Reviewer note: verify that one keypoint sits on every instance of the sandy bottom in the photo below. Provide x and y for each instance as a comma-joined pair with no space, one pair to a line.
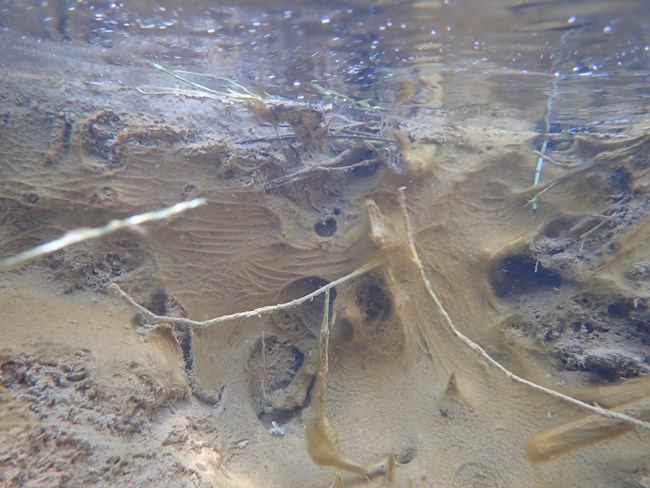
91,394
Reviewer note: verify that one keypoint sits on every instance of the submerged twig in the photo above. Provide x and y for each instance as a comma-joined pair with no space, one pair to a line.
86,234
363,137
279,137
323,347
550,159
483,353
162,319
179,92
550,102
246,95
583,236
538,176
362,104
322,439
537,195
332,135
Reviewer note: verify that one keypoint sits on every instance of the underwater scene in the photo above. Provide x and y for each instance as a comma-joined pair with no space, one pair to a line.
325,244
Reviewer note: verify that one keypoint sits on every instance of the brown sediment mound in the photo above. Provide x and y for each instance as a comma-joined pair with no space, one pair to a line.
79,391
556,296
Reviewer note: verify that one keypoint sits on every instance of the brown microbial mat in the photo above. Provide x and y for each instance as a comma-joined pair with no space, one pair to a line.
407,282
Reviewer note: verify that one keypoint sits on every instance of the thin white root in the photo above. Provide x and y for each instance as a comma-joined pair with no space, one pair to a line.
484,355
161,319
324,343
85,234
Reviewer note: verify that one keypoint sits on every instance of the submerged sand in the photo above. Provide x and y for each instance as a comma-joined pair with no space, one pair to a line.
93,395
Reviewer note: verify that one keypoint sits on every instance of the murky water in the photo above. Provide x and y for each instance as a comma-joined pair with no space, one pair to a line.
520,132
591,57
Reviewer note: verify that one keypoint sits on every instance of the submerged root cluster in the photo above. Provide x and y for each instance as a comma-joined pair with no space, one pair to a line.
443,343
323,445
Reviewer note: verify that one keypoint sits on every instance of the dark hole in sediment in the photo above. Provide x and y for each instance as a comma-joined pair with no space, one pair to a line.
620,308
374,302
307,317
159,303
285,415
519,275
326,227
365,170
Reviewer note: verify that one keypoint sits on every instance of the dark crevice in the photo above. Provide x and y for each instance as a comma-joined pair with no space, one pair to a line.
517,275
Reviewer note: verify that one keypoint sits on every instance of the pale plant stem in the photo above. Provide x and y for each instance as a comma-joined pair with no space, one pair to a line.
86,234
484,355
161,319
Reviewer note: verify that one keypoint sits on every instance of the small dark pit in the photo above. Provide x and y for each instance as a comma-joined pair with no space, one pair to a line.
326,227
